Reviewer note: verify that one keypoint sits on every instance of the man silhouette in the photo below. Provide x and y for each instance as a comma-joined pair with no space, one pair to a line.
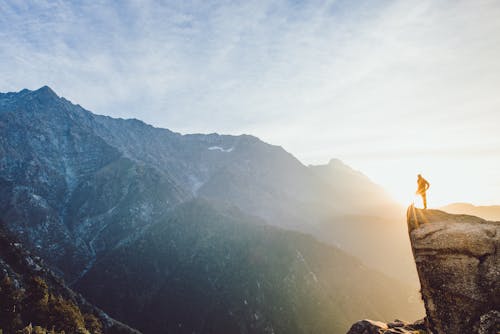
423,185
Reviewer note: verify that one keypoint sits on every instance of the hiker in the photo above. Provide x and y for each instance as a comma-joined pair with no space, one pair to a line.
423,185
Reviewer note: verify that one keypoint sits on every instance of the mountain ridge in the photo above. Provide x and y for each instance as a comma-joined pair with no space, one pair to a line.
185,161
488,212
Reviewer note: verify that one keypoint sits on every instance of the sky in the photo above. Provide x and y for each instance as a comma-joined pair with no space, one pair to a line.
392,88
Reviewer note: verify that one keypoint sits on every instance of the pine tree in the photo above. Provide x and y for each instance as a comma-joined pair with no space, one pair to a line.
10,318
36,302
65,316
92,323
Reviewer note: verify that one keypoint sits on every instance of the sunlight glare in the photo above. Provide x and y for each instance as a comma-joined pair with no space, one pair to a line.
451,179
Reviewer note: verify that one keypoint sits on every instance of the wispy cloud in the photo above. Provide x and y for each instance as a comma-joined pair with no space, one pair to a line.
323,78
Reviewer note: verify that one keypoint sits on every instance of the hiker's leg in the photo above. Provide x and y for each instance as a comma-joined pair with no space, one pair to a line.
424,198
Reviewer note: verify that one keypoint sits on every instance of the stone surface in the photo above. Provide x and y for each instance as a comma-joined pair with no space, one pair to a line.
458,264
396,327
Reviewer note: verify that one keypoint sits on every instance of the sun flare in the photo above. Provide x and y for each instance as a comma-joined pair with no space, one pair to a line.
448,177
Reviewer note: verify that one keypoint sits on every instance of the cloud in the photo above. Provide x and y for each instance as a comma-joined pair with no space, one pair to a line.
323,78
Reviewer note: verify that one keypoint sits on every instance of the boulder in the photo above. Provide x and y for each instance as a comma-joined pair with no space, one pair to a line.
396,327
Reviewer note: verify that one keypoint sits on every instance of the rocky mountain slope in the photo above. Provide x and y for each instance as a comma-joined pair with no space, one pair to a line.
92,182
64,190
209,269
32,295
458,263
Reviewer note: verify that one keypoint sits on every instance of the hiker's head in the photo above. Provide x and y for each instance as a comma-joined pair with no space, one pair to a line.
419,176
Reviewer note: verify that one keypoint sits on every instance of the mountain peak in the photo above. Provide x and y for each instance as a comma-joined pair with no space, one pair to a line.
335,161
337,166
45,91
42,100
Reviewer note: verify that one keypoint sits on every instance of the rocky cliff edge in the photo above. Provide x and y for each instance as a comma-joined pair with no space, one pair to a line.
458,264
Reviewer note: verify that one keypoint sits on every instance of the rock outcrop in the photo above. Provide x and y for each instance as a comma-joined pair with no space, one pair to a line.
396,327
458,263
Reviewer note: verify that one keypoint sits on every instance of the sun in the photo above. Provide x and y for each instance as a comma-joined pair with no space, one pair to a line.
451,180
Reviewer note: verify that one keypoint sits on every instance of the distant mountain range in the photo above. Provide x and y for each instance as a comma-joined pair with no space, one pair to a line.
491,212
157,227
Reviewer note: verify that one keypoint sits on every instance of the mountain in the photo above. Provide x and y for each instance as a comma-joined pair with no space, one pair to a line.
360,232
32,295
491,212
351,183
84,191
72,176
65,190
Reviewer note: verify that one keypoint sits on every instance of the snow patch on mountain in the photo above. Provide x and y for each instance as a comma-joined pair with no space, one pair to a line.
218,148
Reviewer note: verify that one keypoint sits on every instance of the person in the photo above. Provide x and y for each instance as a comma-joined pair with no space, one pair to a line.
423,185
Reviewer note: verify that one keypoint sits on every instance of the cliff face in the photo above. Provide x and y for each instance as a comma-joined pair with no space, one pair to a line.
458,264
